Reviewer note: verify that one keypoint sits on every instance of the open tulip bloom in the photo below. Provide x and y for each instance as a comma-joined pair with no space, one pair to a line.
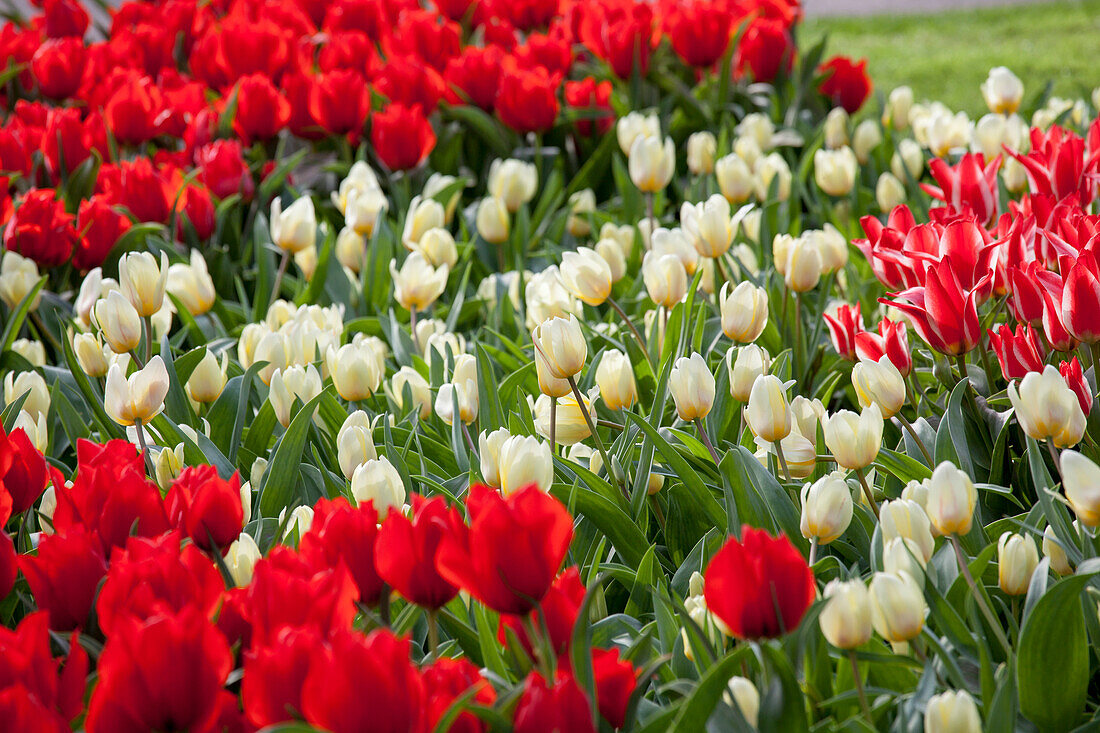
385,365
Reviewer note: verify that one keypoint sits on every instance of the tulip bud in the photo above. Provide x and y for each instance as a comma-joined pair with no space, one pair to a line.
889,192
488,445
586,275
492,220
293,382
612,253
241,559
771,168
746,697
836,128
854,440
907,161
665,279
799,454
1016,561
168,466
692,387
826,508
1081,481
745,364
615,378
832,246
561,343
865,139
759,127
91,355
898,104
421,391
524,461
804,265
298,523
1047,408
633,125
835,170
119,322
582,205
676,242
651,163
897,606
417,284
438,247
437,184
208,378
295,228
879,383
356,370
31,350
570,426
364,207
459,398
768,413
701,147
744,311
735,178
351,250
272,348
378,482
191,284
902,554
750,225
708,226
137,399
951,500
845,619
18,276
806,415
360,177
953,711
513,181
1053,550
548,383
423,215
355,443
906,519
1002,91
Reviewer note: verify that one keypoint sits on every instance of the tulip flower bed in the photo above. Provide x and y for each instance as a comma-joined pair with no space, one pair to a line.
537,366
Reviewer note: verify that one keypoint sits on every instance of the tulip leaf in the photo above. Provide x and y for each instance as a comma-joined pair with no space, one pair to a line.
19,314
699,705
901,466
92,396
284,469
1052,665
624,534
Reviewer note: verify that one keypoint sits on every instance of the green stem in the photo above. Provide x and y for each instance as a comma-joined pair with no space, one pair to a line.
867,490
987,612
144,450
706,439
782,460
595,433
920,443
633,329
433,631
859,688
283,263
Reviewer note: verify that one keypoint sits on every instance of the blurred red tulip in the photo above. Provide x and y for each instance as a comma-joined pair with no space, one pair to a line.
100,227
621,33
37,691
261,110
699,31
222,169
527,100
558,610
207,507
58,66
139,187
66,142
402,136
473,76
551,51
970,185
340,102
446,680
410,82
424,35
615,680
23,472
133,111
405,553
271,688
342,533
9,564
64,18
765,48
41,229
562,706
592,100
64,576
846,82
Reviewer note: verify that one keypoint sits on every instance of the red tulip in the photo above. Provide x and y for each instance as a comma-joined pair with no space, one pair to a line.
271,689
446,680
133,112
615,681
766,47
528,14
759,586
1059,338
137,186
473,76
153,577
402,137
58,66
23,473
424,35
193,203
222,169
891,340
560,707
1026,285
405,552
371,18
509,555
233,618
844,327
261,110
37,693
340,102
166,674
410,82
342,533
66,141
527,100
1081,297
14,156
9,564
883,247
969,184
1058,165
592,100
621,33
100,227
360,683
551,51
846,83
944,314
349,50
298,88
41,229
64,18
558,610
1018,352
454,9
1075,379
499,32
206,507
65,575
699,31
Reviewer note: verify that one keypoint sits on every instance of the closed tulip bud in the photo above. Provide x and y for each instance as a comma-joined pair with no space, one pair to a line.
701,147
378,482
513,181
1081,481
905,518
750,225
570,425
799,453
143,281
692,387
162,321
854,440
429,327
191,284
549,384
1047,408
907,161
744,311
524,461
953,711
298,522
271,348
880,383
488,445
586,275
835,170
951,500
845,619
665,279
623,234
745,364
561,343
831,244
119,322
417,284
651,163
676,242
364,207
804,265
208,378
826,508
708,226
768,412
91,355
360,177
633,125
492,220
139,398
1002,90
35,428
865,139
758,127
1014,175
424,214
241,559
746,697
655,483
612,253
1016,561
902,554
407,377
293,382
806,414
836,128
772,170
356,371
898,104
168,466
1053,550
355,443
18,276
295,228
889,192
437,184
615,378
32,385
897,606
438,247
351,250
457,399
735,178
782,244
582,205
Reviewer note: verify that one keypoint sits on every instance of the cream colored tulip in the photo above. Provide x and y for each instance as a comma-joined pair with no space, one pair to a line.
191,284
488,447
897,606
143,281
771,170
701,148
582,205
586,275
378,482
651,163
879,383
424,214
1081,481
854,440
735,178
1047,408
615,378
355,443
436,184
92,356
356,371
951,500
207,380
139,398
523,461
759,127
360,177
1055,552
294,228
907,162
1003,91
745,364
826,508
807,415
898,104
417,284
492,220
708,226
457,399
692,385
569,426
612,253
633,125
865,139
32,385
561,343
835,170
18,276
351,250
804,265
665,279
744,311
902,554
241,559
513,181
119,322
1017,557
836,128
953,711
293,382
768,412
676,242
889,192
845,619
746,697
271,348
364,207
419,388
798,452
438,247
907,519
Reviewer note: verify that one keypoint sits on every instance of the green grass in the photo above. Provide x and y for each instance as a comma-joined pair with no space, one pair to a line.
946,56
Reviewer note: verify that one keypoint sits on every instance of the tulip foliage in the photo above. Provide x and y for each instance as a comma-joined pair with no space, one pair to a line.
536,366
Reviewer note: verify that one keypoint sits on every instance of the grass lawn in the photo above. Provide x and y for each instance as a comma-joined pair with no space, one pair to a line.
947,56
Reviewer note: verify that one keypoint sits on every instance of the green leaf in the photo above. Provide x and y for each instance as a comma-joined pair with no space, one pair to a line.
698,706
15,320
282,473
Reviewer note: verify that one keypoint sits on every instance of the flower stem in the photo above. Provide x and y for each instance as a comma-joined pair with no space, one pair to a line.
813,551
147,323
595,434
433,631
859,688
987,612
867,491
633,329
553,425
1054,457
144,449
920,443
706,439
412,322
782,460
283,263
